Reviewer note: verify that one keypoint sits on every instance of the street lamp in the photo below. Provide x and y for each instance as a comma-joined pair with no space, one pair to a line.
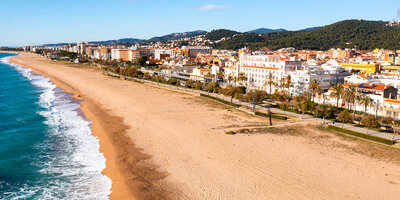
251,81
125,70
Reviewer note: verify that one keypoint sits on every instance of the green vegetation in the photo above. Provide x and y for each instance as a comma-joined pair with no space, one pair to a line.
70,55
220,100
364,35
345,117
361,135
219,34
273,116
370,122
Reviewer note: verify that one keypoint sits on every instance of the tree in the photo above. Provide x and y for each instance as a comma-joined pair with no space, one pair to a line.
270,82
147,76
314,87
323,111
141,61
344,117
366,102
242,77
387,121
284,107
336,93
259,96
172,81
198,85
230,78
349,95
220,74
230,91
189,84
213,87
370,122
288,85
208,76
303,104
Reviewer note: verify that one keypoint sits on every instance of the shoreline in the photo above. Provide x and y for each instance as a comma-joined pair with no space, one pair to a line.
99,117
184,134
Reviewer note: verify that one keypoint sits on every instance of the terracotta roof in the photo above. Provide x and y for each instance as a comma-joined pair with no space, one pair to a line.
368,86
362,76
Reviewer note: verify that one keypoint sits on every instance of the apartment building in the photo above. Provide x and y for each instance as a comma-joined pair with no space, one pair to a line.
193,51
124,55
199,74
258,67
161,54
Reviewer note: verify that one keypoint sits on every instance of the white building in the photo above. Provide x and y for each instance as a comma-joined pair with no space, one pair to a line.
162,53
258,67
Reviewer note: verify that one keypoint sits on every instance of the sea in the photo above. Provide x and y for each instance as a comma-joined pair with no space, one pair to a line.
47,149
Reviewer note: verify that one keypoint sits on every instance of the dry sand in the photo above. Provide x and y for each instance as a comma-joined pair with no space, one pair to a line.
162,144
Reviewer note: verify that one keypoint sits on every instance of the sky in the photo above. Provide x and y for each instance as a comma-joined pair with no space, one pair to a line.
35,22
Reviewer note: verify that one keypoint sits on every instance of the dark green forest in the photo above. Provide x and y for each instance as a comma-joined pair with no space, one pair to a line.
360,34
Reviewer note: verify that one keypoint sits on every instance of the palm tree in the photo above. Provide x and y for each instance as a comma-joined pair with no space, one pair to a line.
314,86
337,93
220,74
270,81
350,95
288,85
242,77
230,78
366,101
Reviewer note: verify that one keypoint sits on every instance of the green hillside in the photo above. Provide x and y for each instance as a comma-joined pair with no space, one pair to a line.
365,35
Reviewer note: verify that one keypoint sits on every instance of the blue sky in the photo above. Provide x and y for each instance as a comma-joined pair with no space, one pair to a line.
32,22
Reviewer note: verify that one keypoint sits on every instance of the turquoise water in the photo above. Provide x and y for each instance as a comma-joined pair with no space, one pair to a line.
47,150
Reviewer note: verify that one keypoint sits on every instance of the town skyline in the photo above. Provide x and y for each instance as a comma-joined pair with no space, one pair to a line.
107,20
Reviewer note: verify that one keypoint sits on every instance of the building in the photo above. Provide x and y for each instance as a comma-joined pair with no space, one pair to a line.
258,67
193,51
200,74
301,79
363,68
125,55
161,54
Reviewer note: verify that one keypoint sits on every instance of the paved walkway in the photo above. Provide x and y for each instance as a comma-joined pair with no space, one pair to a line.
274,110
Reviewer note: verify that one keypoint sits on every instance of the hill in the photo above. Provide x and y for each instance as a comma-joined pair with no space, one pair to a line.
219,34
365,35
266,30
176,36
123,41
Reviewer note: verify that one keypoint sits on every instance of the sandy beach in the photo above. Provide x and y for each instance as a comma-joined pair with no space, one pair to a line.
164,144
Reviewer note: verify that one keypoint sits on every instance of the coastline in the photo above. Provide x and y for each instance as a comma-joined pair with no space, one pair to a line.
185,136
103,124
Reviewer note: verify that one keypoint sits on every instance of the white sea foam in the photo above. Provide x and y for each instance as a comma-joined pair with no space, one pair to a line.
74,160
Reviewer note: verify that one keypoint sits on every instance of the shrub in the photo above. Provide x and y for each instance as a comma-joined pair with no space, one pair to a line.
198,85
370,121
189,84
345,117
172,81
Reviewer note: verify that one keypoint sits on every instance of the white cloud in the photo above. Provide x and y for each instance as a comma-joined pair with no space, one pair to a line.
213,7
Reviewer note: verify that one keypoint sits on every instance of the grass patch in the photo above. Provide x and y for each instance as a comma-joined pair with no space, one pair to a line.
273,116
220,100
272,130
361,135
